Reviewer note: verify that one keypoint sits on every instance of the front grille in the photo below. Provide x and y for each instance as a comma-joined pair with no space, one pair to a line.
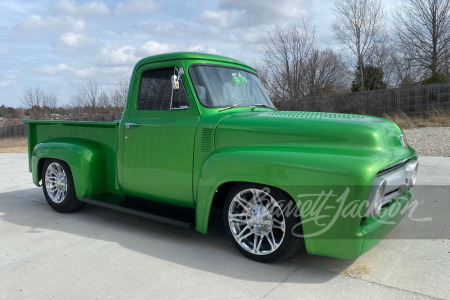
393,166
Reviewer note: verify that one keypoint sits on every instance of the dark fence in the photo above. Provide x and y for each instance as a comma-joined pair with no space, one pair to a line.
108,117
417,100
99,118
13,131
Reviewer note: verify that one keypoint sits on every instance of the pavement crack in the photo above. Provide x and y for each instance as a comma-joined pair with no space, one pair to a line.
281,282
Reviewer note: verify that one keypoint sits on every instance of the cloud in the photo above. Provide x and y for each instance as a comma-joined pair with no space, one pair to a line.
263,12
245,24
201,48
95,8
70,7
238,14
171,30
68,19
129,55
118,55
222,19
65,68
74,40
153,48
9,78
33,22
135,6
35,26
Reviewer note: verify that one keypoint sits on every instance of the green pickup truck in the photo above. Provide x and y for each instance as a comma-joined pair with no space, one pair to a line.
199,134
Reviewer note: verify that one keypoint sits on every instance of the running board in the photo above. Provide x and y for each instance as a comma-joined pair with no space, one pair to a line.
141,213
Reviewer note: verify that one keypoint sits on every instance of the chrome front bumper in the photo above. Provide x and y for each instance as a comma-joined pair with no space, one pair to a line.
399,179
391,183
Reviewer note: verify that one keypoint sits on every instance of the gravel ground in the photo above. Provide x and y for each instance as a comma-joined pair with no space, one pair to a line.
429,141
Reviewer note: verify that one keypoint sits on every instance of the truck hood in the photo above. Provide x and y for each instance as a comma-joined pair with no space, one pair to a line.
332,132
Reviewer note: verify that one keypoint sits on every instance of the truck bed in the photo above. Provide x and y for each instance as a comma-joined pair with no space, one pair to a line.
105,134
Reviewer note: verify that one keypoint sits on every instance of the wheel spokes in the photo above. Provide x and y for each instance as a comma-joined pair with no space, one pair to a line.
56,182
53,169
242,203
238,220
242,231
238,215
256,221
245,236
258,247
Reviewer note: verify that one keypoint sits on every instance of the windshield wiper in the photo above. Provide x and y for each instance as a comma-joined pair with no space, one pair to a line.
261,105
253,106
228,107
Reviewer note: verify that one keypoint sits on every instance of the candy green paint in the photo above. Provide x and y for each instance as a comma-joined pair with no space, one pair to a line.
182,157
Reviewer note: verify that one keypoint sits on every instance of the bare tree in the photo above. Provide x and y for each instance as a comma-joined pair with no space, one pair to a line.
76,108
50,102
119,96
381,56
359,25
423,26
31,99
286,53
325,73
38,102
88,96
293,67
405,72
104,102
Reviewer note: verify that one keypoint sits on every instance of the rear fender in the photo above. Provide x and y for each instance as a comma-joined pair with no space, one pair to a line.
85,159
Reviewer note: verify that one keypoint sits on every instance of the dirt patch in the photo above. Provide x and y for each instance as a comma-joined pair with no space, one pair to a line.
358,271
13,145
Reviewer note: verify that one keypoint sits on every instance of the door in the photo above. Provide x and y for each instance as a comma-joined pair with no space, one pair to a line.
158,139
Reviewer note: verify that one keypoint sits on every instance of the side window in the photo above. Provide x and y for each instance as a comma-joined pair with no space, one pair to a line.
155,91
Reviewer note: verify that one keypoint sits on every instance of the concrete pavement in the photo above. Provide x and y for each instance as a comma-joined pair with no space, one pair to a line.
99,253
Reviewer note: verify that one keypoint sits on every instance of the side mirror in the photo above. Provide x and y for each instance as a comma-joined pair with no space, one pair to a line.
175,82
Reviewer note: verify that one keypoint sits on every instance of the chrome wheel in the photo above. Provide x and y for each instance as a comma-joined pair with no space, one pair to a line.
256,221
56,182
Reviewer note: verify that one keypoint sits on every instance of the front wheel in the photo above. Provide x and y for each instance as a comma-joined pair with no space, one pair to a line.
59,190
260,223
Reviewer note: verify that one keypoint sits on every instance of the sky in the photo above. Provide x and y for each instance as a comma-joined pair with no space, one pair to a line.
60,45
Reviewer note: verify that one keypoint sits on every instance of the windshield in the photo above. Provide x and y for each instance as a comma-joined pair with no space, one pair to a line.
224,87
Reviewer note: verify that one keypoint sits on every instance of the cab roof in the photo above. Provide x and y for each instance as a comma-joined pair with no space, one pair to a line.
207,58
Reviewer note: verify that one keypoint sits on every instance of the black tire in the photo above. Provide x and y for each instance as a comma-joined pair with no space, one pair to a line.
260,225
66,201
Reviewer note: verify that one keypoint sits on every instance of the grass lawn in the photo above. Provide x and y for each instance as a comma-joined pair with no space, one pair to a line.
432,119
13,145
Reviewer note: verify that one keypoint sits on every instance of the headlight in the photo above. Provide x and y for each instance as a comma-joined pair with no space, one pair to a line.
376,197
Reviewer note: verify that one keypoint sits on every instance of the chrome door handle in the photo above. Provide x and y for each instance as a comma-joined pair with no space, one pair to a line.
128,125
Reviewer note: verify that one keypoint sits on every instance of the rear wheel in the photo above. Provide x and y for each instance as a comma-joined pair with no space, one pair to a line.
256,219
59,190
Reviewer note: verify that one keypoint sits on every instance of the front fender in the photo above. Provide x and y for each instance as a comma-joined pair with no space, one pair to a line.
295,171
85,159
